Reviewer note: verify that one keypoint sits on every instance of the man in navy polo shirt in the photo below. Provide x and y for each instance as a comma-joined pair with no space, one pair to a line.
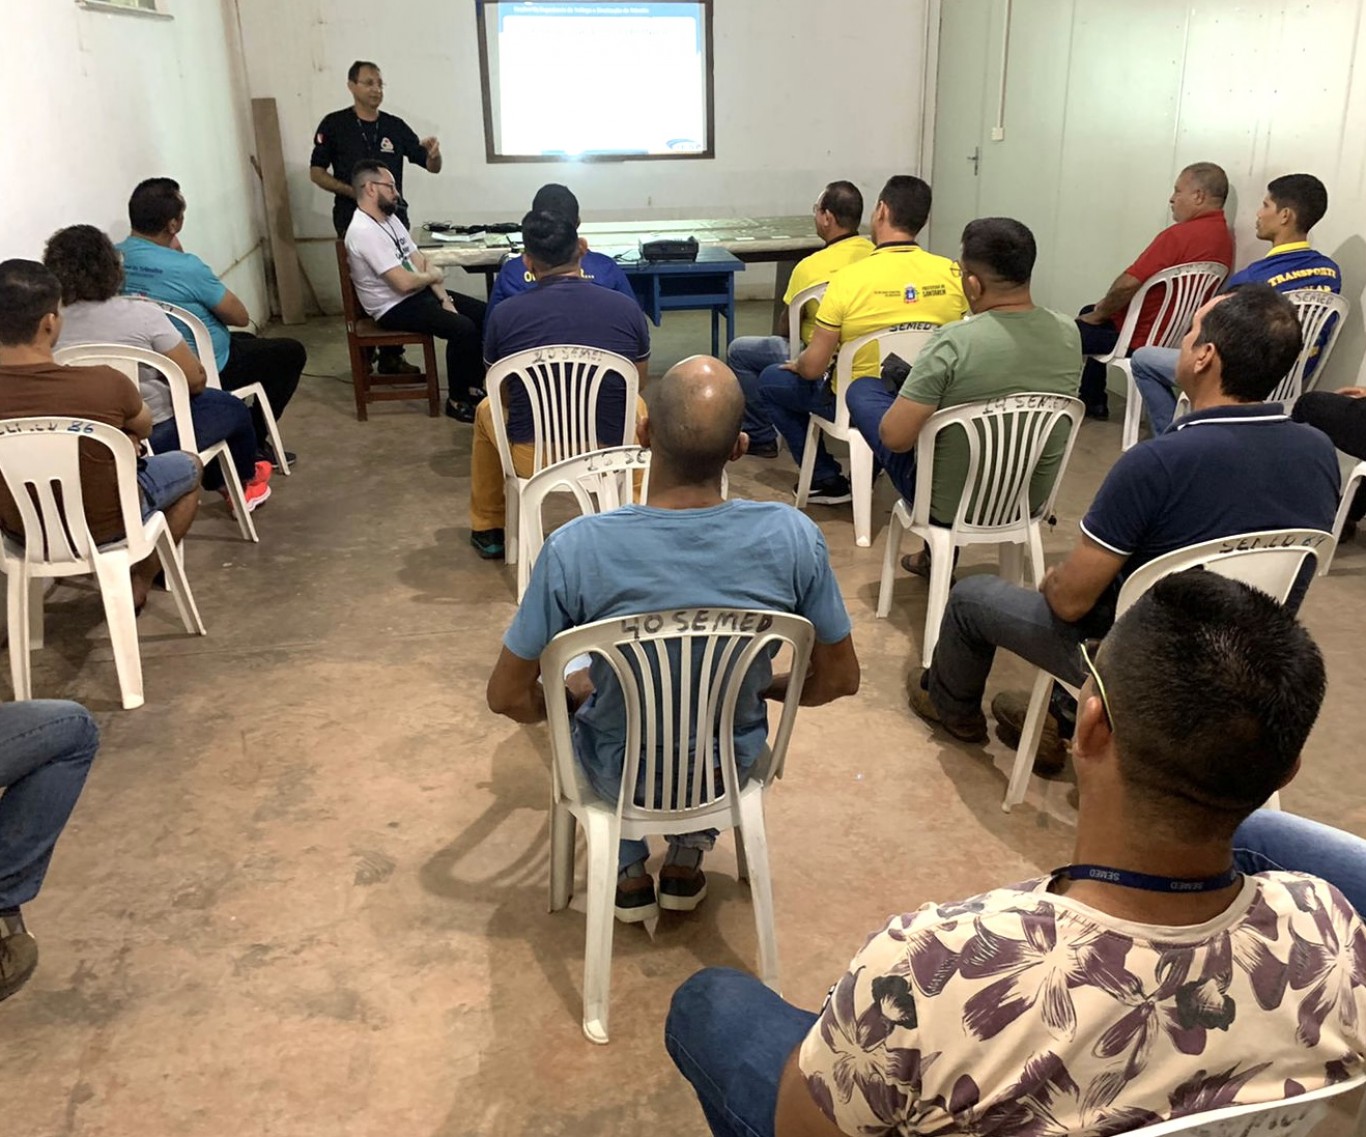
564,307
1293,205
1235,465
516,276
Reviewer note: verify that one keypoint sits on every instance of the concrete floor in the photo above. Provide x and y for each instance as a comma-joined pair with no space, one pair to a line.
305,889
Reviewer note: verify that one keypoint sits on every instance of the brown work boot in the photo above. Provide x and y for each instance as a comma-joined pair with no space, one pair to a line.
18,954
970,729
1009,709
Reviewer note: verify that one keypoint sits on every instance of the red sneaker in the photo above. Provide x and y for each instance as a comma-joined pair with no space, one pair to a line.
256,491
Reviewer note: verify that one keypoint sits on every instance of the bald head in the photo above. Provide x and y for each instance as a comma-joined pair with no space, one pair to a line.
694,418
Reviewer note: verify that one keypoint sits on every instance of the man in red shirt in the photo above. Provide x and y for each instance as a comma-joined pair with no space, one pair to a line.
1200,233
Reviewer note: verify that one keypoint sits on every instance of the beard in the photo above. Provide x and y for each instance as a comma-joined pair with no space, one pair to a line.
388,206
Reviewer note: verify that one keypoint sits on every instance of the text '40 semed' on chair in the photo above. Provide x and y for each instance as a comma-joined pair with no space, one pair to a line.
40,462
681,674
563,385
1006,438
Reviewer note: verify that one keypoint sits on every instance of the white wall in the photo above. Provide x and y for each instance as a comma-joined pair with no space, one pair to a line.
99,101
1106,101
805,92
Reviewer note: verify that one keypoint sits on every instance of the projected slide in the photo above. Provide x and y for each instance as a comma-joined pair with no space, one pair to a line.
595,79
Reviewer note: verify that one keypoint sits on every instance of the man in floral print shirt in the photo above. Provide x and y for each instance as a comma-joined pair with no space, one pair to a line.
1146,981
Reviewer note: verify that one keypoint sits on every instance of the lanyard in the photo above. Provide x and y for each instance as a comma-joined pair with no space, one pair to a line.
398,245
1146,881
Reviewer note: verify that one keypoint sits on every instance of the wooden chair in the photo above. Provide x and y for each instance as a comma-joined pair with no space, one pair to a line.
363,334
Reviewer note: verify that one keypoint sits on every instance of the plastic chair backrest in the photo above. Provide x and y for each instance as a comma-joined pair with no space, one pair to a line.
1006,440
1315,308
562,383
681,674
41,466
794,315
1184,289
127,359
906,343
1291,1117
1270,559
599,480
199,339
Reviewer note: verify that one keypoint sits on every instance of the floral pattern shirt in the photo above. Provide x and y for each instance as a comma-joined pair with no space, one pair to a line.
1023,1012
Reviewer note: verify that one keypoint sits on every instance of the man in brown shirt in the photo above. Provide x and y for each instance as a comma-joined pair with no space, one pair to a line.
33,385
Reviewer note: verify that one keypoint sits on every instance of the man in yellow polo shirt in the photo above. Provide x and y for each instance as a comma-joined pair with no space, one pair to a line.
838,214
899,285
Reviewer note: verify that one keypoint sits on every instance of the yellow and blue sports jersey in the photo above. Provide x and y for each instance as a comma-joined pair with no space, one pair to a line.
819,268
898,285
1291,266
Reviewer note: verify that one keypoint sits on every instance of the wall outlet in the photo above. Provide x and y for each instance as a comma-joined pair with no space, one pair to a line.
998,133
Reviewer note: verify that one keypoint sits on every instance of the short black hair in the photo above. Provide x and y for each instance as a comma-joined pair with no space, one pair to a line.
1201,753
1001,246
361,172
1257,334
353,72
844,201
555,198
86,263
1302,194
550,239
155,203
1210,178
28,292
907,199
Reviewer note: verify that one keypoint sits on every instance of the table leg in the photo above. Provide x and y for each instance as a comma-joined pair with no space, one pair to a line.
782,275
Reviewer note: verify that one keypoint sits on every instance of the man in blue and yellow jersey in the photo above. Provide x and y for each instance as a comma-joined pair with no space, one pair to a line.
837,214
899,285
1293,205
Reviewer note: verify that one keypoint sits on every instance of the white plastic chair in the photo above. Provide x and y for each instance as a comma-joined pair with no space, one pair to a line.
678,684
203,347
1006,441
1349,492
127,359
1315,308
563,384
40,464
905,343
1290,1117
794,316
1270,560
1184,289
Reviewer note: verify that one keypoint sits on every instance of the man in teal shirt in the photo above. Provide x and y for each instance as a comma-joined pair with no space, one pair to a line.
155,265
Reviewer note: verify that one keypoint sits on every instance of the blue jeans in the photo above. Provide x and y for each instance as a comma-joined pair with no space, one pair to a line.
1155,377
730,1036
747,357
789,400
1096,339
1272,840
46,747
868,401
984,613
218,416
165,478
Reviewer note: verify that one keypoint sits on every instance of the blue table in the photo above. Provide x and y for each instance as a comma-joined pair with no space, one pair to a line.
706,284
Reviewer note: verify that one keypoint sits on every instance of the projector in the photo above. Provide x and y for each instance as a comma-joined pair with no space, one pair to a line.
669,249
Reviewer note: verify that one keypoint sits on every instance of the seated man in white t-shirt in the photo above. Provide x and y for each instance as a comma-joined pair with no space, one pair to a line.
1164,972
401,291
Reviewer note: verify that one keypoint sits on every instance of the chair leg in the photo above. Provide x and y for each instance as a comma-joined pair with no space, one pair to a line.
602,837
37,593
561,856
813,435
359,379
1012,562
1029,741
433,387
1349,492
755,841
941,581
1036,561
861,481
173,565
116,590
233,484
1133,411
18,600
512,517
895,530
273,429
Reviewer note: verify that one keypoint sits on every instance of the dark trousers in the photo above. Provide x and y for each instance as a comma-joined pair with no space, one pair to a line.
218,416
343,210
1343,419
275,363
1096,339
463,331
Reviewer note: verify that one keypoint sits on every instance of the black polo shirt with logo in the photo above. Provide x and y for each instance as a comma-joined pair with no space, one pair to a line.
343,138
